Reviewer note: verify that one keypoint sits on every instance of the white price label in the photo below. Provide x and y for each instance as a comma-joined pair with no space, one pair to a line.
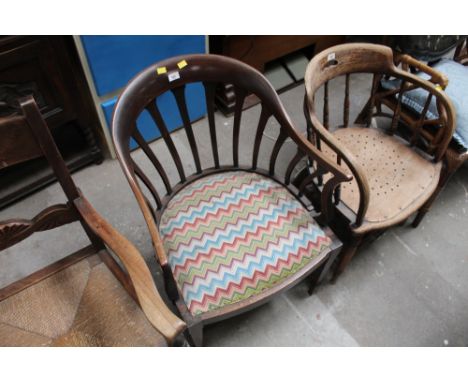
331,57
173,76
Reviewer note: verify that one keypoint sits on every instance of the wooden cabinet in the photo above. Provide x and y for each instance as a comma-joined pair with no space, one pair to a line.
257,51
48,68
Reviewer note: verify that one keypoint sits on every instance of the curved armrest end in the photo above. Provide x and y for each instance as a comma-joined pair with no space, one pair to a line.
160,316
436,76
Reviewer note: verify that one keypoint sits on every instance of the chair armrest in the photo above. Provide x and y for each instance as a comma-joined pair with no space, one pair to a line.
323,163
446,110
347,157
436,77
160,316
461,52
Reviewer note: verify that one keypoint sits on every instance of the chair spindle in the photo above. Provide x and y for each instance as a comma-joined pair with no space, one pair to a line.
158,120
210,89
179,94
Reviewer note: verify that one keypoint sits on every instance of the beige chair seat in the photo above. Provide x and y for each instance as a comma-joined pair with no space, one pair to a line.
400,179
81,305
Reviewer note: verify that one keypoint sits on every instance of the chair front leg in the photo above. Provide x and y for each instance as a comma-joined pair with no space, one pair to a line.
453,161
349,249
319,276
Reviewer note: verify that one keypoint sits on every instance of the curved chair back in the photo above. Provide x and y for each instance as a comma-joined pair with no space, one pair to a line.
378,60
210,70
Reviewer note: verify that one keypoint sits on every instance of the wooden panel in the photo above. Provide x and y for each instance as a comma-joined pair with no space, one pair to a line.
46,67
18,143
257,51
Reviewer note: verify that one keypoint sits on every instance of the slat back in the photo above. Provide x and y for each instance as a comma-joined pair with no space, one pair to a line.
211,71
175,75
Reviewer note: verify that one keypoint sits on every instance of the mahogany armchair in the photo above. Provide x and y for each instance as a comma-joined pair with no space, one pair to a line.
227,236
87,298
395,175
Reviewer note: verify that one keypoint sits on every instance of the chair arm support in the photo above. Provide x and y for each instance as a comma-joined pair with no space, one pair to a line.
444,105
437,78
324,165
160,316
348,158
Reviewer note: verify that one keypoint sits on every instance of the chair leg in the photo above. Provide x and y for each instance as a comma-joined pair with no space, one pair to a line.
196,333
424,210
346,255
453,163
318,276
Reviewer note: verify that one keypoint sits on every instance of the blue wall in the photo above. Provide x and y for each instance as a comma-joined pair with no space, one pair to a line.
114,60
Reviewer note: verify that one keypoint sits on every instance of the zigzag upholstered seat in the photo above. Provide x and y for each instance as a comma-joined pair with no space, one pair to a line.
228,236
233,235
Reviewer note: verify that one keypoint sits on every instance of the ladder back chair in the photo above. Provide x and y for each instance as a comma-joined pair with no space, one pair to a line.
87,298
394,175
228,237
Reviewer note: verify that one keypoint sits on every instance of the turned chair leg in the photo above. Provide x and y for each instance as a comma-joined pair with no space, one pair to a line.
346,255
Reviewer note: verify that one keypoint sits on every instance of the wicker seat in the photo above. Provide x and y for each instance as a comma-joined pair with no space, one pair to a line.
86,298
81,305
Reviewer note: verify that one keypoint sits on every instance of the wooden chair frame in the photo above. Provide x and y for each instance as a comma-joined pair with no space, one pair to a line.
135,276
344,60
211,70
454,156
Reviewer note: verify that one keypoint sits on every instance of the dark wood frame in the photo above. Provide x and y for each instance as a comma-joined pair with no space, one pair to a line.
211,70
134,275
52,64
377,59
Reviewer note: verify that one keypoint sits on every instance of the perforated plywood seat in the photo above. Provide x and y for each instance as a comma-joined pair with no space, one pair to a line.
400,178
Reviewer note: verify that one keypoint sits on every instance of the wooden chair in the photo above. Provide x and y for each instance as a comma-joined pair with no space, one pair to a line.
411,120
85,299
394,176
228,237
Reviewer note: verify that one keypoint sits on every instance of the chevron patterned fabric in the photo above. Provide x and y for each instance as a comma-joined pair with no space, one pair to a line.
233,235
